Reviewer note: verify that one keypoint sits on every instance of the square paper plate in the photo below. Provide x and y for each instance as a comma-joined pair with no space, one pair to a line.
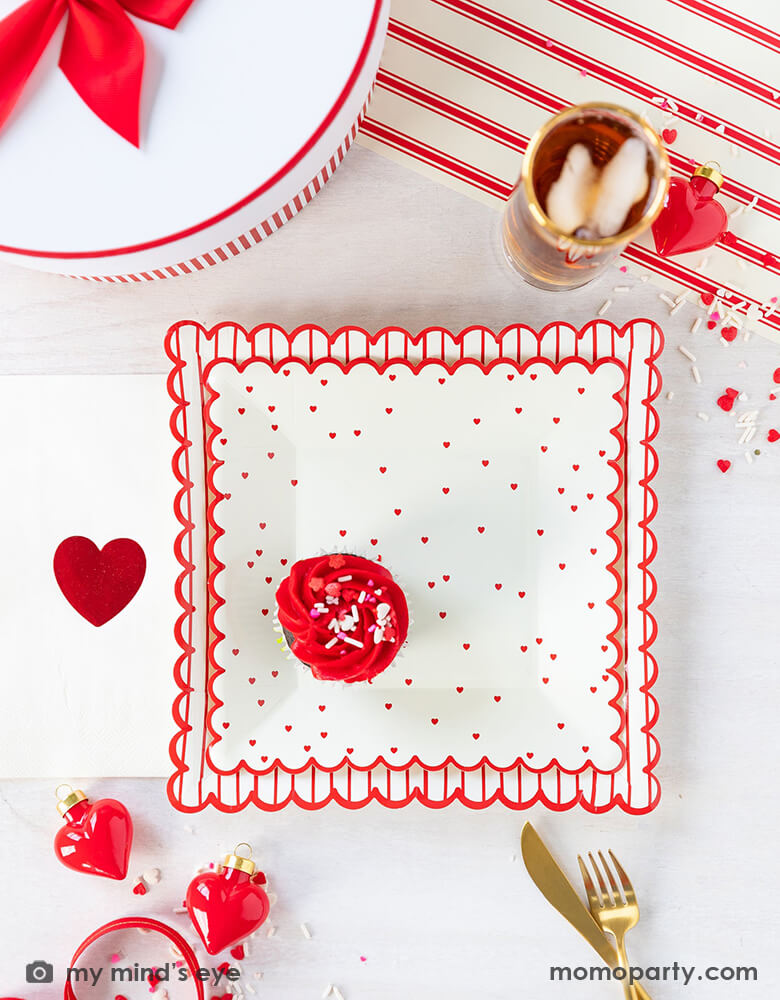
505,481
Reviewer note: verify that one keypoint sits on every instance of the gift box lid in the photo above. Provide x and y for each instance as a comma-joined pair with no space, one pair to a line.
234,97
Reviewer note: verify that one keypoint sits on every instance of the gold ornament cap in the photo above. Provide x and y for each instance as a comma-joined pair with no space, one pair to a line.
240,861
710,170
69,799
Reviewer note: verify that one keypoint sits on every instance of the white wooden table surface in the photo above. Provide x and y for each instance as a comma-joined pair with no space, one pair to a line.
435,901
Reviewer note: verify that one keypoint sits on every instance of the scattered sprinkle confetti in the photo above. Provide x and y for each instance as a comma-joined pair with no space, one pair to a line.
304,928
695,374
152,876
696,324
605,306
748,458
686,353
327,991
271,931
622,288
702,416
666,298
670,395
337,993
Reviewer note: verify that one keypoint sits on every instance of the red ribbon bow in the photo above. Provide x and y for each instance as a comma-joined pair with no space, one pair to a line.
102,52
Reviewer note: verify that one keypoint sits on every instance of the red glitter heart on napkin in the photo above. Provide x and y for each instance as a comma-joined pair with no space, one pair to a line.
99,583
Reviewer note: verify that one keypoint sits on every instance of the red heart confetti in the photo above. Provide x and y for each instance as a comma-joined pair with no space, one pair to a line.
729,333
669,135
723,464
773,436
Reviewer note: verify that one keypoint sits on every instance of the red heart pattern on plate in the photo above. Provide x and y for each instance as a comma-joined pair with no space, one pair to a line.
427,527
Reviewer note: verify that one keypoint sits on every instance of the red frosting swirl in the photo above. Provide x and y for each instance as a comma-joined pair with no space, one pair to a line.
347,616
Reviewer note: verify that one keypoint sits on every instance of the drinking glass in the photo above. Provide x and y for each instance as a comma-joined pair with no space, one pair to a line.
533,245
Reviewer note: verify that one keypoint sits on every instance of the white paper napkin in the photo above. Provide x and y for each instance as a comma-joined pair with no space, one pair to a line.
85,455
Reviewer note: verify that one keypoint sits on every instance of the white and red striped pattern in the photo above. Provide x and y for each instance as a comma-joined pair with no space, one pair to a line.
256,234
463,85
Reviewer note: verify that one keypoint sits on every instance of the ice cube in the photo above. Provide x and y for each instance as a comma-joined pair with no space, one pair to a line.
622,183
570,196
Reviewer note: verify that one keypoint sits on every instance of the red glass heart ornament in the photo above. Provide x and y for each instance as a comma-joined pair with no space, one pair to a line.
99,583
691,219
96,838
228,905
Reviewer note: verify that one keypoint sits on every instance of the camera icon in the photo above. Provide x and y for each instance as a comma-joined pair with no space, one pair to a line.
40,972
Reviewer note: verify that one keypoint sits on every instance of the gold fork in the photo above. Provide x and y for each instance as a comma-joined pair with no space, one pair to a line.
613,912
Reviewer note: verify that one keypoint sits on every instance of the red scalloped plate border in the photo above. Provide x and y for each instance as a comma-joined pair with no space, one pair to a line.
413,792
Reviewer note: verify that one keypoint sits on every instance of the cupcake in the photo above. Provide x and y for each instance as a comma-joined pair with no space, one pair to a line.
344,617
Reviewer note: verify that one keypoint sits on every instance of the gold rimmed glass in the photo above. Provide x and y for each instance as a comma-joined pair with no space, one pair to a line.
533,245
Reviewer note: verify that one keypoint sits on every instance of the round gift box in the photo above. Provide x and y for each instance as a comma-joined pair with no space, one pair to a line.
246,110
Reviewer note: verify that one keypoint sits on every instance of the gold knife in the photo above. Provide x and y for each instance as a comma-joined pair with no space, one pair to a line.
559,892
